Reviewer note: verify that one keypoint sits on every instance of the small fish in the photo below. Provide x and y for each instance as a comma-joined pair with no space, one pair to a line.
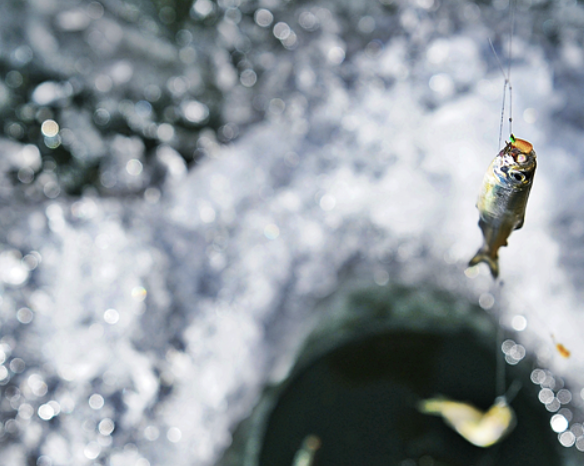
305,456
480,429
564,352
503,199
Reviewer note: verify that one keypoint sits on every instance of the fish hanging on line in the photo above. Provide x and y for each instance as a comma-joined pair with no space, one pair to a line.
503,199
306,455
482,429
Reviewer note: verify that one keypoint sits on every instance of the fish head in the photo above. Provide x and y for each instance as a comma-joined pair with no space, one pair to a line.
515,165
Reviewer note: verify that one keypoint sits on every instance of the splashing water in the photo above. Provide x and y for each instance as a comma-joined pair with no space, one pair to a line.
142,313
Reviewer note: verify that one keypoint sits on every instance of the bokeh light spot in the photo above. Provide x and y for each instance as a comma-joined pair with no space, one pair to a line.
559,423
327,202
95,10
194,111
17,365
263,17
553,405
22,55
271,231
567,439
111,316
207,213
545,395
366,24
203,8
564,396
106,426
24,315
37,385
381,277
96,401
336,55
46,412
308,21
537,376
167,15
577,429
248,78
134,167
56,406
486,301
151,433
92,450
50,128
44,460
103,83
139,293
25,411
165,132
276,106
14,79
519,323
174,434
281,30
442,84
101,117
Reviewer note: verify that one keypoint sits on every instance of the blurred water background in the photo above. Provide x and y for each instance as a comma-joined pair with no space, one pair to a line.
181,182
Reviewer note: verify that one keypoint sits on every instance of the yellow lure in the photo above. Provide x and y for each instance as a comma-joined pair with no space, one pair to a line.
482,429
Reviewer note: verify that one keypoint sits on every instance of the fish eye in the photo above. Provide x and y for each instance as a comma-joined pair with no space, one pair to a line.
521,158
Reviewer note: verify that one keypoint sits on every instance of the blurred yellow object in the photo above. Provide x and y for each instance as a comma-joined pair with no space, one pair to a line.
480,429
305,456
564,352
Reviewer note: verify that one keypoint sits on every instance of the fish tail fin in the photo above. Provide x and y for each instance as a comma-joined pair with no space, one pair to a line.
431,406
483,256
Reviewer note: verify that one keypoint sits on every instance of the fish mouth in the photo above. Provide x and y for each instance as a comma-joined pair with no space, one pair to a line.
519,149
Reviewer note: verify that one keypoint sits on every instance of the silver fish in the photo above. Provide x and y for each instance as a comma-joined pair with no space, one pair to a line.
503,199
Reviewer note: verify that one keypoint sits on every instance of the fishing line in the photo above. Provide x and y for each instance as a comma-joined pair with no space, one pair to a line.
500,358
500,376
513,390
509,57
506,76
504,92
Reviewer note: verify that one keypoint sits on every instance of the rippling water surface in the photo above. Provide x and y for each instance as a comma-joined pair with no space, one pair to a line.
181,182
